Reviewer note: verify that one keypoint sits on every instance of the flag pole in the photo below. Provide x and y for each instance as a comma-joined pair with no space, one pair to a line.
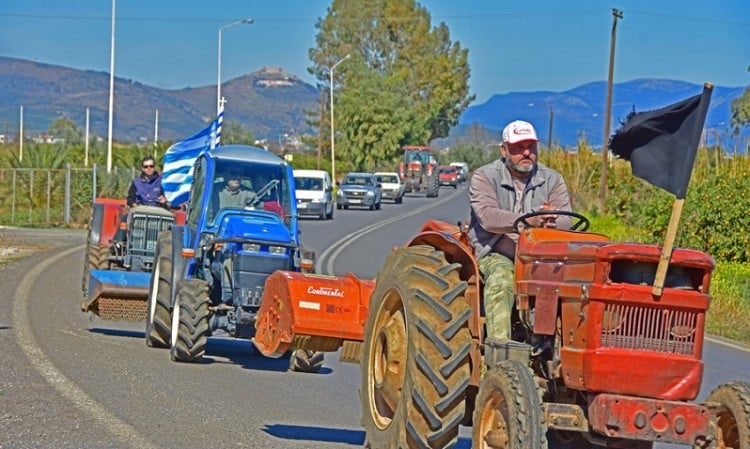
666,252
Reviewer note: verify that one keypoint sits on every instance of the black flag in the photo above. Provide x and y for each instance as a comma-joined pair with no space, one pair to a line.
661,144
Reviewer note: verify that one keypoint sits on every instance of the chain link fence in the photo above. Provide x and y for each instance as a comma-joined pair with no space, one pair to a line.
57,197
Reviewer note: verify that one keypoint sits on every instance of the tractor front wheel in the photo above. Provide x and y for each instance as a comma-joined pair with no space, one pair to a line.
415,362
733,414
158,317
305,361
190,321
509,413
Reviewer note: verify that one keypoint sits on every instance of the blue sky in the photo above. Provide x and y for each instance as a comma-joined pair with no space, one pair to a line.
513,46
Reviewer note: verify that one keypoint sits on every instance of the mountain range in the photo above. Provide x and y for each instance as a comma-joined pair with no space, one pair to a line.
273,103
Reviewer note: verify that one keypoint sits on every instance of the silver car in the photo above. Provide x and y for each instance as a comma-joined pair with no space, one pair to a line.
392,187
359,189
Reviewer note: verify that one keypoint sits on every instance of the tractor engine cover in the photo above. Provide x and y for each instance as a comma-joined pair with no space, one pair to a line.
309,311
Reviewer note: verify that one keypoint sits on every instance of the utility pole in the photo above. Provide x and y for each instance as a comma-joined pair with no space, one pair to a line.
551,121
616,14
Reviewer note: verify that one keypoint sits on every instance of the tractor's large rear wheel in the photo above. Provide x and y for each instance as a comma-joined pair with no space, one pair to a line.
415,363
97,258
159,317
509,413
733,414
190,321
433,185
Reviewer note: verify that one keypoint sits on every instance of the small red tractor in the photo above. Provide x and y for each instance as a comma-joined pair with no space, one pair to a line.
119,257
596,359
418,171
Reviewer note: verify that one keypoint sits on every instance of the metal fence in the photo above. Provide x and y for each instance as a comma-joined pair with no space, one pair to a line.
57,196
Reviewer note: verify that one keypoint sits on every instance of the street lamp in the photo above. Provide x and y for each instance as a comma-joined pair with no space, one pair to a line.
248,21
333,153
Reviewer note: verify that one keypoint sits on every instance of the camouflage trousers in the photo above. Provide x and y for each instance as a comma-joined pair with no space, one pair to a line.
497,274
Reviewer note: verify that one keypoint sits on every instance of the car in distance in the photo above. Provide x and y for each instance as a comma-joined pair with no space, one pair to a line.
314,193
392,187
463,170
448,176
359,189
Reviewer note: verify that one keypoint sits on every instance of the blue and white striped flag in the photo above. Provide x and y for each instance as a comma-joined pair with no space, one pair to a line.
177,177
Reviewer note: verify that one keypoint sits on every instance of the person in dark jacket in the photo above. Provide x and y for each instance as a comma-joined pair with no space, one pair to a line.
146,189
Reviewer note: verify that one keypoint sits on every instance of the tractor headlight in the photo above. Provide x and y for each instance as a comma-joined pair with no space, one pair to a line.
277,250
254,247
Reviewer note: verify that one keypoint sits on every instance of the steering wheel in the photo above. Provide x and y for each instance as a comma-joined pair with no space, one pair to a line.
581,223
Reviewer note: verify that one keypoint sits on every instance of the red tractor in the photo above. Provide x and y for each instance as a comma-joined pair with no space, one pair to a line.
119,257
596,358
418,171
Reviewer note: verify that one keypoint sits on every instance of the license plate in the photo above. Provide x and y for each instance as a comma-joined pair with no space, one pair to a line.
302,206
355,201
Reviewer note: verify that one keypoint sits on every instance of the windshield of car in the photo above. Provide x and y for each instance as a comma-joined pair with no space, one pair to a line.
387,178
350,180
250,185
304,183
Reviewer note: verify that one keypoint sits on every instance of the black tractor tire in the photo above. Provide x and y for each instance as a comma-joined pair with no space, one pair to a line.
190,321
97,258
305,361
415,362
733,414
509,413
158,312
433,185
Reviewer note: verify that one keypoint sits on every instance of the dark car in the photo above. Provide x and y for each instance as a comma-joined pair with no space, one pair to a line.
448,176
359,189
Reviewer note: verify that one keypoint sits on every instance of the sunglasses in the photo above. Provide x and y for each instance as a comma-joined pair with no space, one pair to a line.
147,166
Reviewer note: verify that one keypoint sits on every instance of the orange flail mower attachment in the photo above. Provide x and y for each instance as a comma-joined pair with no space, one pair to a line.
309,311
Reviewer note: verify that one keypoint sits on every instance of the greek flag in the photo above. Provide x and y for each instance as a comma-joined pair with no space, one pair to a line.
177,176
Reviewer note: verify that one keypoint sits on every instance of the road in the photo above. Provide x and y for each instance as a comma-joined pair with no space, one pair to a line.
70,380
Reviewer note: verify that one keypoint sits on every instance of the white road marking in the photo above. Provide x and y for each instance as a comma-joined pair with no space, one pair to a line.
39,361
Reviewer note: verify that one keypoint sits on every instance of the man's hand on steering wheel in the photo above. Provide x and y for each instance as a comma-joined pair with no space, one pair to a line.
541,218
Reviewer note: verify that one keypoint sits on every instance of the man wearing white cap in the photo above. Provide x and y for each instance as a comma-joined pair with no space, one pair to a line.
500,192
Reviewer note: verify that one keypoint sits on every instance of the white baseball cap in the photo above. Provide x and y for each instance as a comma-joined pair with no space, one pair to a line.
519,131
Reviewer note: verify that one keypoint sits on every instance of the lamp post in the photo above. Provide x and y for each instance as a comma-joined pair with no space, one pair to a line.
111,91
248,21
333,151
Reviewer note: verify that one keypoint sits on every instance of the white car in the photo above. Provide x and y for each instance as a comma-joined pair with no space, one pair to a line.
392,187
314,191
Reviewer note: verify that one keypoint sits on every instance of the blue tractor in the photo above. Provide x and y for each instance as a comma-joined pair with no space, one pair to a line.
209,273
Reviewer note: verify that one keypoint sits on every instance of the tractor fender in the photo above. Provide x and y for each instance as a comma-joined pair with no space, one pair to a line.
105,220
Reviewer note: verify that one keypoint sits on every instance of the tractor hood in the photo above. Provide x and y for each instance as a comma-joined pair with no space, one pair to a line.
253,225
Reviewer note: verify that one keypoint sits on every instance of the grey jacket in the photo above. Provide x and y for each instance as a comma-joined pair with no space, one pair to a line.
494,208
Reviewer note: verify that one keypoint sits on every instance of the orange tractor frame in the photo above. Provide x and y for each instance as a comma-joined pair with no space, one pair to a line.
596,359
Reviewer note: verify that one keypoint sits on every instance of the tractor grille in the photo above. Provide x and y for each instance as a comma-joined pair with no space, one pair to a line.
145,231
649,329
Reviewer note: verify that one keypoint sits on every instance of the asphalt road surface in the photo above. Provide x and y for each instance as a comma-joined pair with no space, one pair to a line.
71,380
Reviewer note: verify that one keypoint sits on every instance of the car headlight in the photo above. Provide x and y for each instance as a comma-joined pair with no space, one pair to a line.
277,250
318,200
371,193
340,194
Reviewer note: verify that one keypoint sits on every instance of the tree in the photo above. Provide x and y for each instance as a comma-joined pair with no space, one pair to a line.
405,83
233,133
741,109
64,128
